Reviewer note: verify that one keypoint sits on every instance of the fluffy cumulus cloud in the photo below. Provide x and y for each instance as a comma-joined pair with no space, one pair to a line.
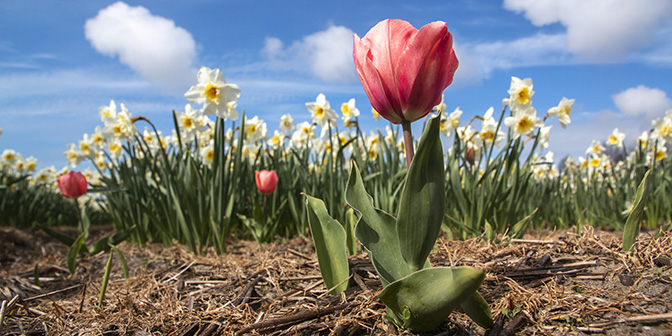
479,60
327,54
643,101
151,45
598,29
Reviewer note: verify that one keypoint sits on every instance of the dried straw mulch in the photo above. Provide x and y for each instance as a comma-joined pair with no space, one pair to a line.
550,283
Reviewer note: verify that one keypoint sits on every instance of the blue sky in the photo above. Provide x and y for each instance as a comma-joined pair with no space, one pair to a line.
613,56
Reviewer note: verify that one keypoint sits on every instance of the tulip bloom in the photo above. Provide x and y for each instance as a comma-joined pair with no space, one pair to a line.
267,181
405,70
72,184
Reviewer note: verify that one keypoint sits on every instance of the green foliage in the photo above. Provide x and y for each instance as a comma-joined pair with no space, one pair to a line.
631,230
417,296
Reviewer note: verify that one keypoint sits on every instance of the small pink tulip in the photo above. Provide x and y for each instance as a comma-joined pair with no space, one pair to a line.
72,184
405,70
267,181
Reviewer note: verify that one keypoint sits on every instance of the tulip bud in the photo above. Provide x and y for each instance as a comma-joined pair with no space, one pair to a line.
72,184
267,181
404,70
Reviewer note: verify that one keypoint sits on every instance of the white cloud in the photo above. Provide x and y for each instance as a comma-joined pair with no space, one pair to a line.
643,101
598,29
478,60
327,54
151,45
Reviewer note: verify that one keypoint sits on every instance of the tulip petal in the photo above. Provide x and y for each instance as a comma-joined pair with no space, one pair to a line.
373,85
426,68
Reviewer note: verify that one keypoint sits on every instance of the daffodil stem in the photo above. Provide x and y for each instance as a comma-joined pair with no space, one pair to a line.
408,142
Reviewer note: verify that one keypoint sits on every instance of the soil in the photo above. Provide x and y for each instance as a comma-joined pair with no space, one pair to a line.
549,283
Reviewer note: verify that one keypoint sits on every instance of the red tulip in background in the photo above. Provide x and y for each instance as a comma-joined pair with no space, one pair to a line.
72,184
267,181
405,70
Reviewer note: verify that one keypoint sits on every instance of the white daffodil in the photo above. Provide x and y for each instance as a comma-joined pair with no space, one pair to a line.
489,127
563,111
109,111
523,121
662,128
117,128
19,164
100,162
643,139
190,123
208,154
8,156
255,129
45,175
86,148
213,92
286,123
305,132
277,140
97,138
114,148
441,108
375,114
544,135
349,109
321,112
72,155
520,94
31,163
451,122
616,138
595,148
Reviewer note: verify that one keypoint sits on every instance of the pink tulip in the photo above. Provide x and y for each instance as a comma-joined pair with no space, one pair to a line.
405,70
267,181
72,184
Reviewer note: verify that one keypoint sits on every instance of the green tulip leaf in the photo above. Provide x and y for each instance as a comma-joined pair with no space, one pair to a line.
478,310
631,228
375,230
519,229
424,299
330,245
423,199
349,226
74,251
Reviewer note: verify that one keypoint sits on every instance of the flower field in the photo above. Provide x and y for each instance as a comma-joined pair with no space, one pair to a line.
221,179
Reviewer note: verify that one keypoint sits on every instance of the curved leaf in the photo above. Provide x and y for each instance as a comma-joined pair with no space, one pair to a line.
631,229
329,237
477,308
423,199
375,230
424,299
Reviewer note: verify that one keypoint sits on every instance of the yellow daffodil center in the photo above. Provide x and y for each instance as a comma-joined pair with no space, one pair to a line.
660,155
525,125
595,162
373,154
84,147
210,155
488,135
345,109
613,140
665,130
211,92
319,111
523,96
565,110
597,149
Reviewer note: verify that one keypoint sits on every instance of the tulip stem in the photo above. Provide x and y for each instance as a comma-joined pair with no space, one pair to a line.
408,142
